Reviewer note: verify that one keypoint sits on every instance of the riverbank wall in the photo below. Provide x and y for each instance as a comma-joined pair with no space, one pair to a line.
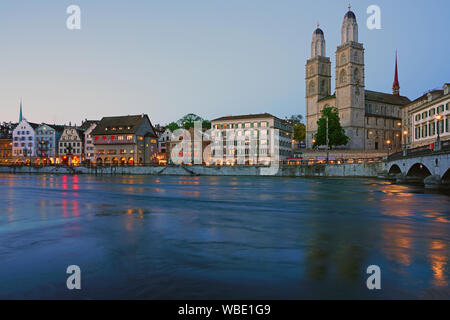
315,170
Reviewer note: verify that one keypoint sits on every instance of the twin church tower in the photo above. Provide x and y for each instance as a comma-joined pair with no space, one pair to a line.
350,97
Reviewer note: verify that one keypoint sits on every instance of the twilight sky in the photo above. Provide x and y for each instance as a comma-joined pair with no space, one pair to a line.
210,57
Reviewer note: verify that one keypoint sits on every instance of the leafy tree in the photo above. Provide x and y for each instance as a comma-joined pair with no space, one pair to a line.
188,121
172,126
336,134
299,132
206,124
296,119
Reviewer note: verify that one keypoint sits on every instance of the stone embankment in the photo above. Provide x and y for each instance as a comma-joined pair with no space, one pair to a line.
315,170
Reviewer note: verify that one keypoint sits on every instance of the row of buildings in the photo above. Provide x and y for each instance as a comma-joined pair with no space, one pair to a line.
133,140
372,120
112,140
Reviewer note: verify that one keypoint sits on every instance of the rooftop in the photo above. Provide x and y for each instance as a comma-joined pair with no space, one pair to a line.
121,125
386,98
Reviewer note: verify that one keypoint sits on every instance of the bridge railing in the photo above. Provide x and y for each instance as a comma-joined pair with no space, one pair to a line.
420,151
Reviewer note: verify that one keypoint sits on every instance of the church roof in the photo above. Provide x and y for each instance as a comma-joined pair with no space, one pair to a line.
350,15
319,31
386,98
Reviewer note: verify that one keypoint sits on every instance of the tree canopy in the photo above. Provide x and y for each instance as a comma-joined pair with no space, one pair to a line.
187,122
336,134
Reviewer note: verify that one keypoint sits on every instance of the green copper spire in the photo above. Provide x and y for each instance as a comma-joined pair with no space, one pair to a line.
20,116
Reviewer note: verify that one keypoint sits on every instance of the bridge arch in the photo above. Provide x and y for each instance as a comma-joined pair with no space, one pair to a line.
446,176
418,170
395,169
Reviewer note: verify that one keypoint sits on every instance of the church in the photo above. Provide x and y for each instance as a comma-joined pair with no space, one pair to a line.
371,120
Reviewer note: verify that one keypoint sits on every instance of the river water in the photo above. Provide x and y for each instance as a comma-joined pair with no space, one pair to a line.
137,237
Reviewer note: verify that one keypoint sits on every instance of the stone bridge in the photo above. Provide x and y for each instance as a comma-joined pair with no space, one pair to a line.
431,169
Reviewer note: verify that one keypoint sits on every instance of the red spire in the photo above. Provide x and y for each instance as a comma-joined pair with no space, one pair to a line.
396,85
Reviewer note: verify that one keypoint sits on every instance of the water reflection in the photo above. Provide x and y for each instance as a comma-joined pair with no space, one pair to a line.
439,259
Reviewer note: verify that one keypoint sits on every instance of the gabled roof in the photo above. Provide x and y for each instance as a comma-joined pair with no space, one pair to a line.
87,124
121,125
386,98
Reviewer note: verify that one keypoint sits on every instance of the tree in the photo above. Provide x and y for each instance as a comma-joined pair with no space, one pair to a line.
299,132
206,124
172,126
296,119
336,134
188,121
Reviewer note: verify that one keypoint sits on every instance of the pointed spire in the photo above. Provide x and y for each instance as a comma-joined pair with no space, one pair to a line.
20,115
349,7
396,85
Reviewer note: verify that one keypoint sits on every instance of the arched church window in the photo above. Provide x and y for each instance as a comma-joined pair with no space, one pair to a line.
343,77
355,56
343,59
322,86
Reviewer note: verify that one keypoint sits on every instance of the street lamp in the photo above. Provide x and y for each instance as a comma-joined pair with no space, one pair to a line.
405,146
388,142
313,143
438,120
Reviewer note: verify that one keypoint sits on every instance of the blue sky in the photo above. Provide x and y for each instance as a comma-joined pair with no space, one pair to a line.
210,57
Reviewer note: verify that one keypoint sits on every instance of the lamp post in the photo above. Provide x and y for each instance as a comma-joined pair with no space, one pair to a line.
405,146
313,143
438,143
399,125
388,142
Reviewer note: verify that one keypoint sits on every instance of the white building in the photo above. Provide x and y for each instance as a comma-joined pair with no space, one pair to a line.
70,146
24,140
427,116
250,137
163,141
87,127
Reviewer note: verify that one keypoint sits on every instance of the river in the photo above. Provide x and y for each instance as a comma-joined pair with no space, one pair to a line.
146,237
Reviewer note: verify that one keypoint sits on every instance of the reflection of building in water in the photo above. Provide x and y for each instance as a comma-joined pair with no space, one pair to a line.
398,243
439,260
